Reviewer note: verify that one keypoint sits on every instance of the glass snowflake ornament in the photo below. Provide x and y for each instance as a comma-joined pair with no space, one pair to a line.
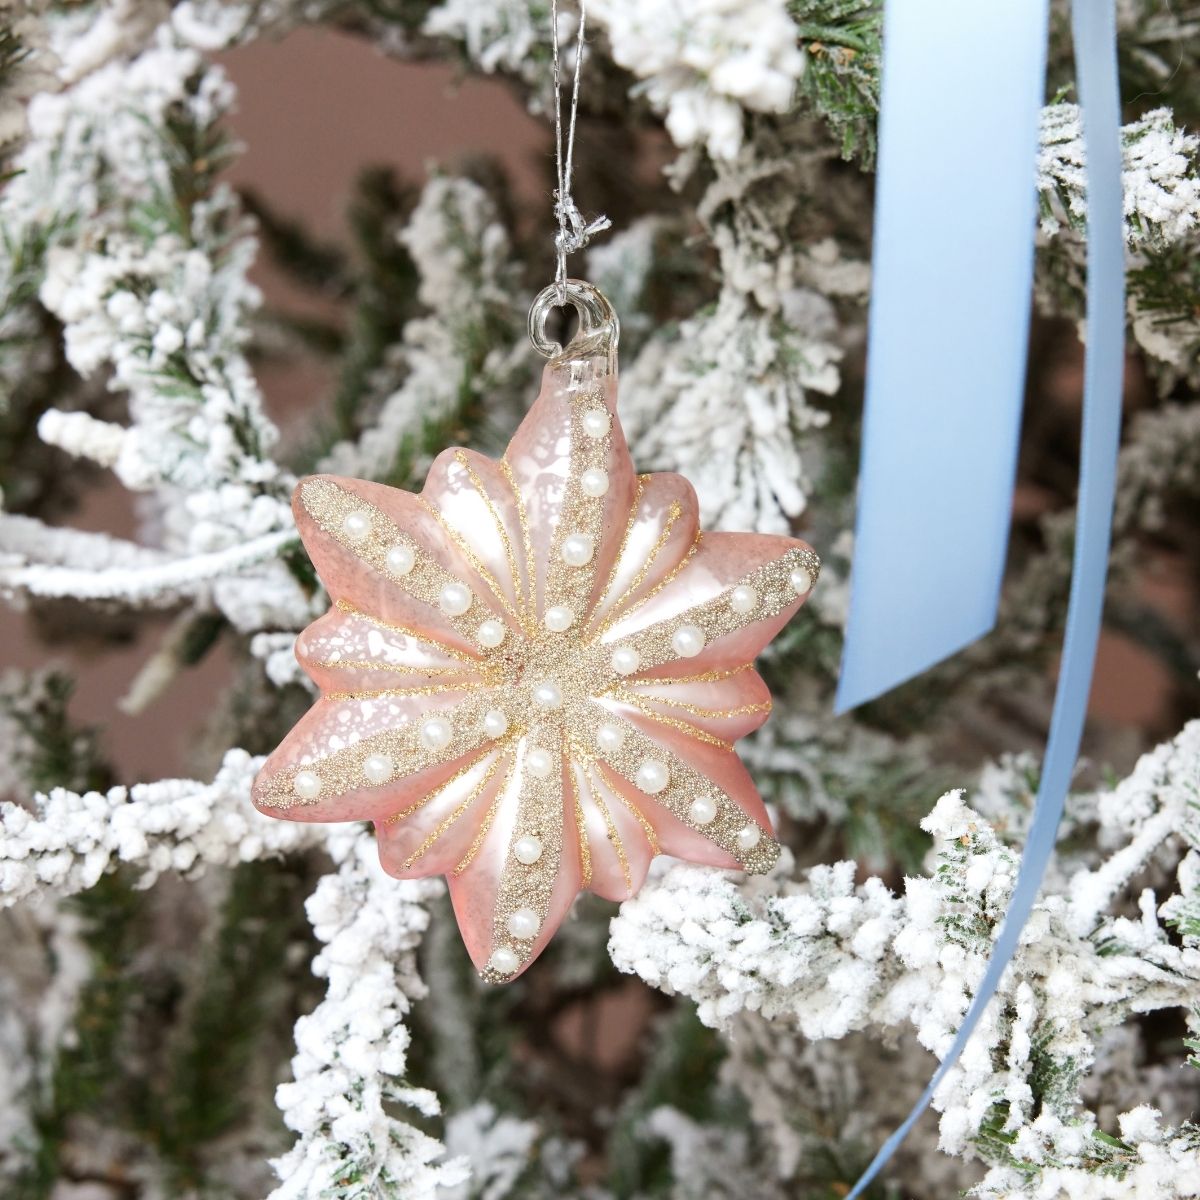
533,672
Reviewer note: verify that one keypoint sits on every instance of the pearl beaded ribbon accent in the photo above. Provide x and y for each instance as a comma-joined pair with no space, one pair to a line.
534,672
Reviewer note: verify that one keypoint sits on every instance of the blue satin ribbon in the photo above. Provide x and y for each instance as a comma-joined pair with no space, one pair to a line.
951,279
1094,29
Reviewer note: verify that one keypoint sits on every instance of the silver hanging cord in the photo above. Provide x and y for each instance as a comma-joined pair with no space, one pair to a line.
573,232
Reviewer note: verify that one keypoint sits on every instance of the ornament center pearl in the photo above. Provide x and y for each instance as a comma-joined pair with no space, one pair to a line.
703,810
495,723
610,737
548,694
490,633
801,580
559,618
527,849
625,660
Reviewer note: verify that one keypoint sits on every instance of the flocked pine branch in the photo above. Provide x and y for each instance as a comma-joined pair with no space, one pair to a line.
351,1050
831,958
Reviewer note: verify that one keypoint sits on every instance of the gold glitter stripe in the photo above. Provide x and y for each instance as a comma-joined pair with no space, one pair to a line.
463,461
614,836
697,710
486,824
541,813
476,562
585,846
705,676
579,513
629,524
668,578
433,689
450,651
437,791
701,735
673,515
362,664
523,521
640,817
447,822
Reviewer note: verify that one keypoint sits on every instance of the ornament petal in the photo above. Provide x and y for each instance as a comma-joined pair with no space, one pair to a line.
725,704
661,533
702,597
324,770
469,497
527,861
346,650
662,771
434,834
570,430
384,552
616,840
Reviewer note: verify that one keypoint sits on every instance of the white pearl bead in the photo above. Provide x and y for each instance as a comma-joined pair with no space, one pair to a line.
610,737
577,550
378,768
749,837
539,763
495,723
625,660
503,961
436,733
652,776
490,633
356,525
594,482
524,924
559,618
401,559
306,785
455,599
527,849
703,811
801,580
743,599
687,641
596,422
547,695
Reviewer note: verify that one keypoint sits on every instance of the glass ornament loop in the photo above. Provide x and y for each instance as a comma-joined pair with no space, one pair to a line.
598,329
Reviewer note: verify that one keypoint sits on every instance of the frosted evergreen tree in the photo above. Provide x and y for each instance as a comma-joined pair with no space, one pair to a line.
201,1002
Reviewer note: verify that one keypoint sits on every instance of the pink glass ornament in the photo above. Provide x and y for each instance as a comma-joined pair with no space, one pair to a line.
533,673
